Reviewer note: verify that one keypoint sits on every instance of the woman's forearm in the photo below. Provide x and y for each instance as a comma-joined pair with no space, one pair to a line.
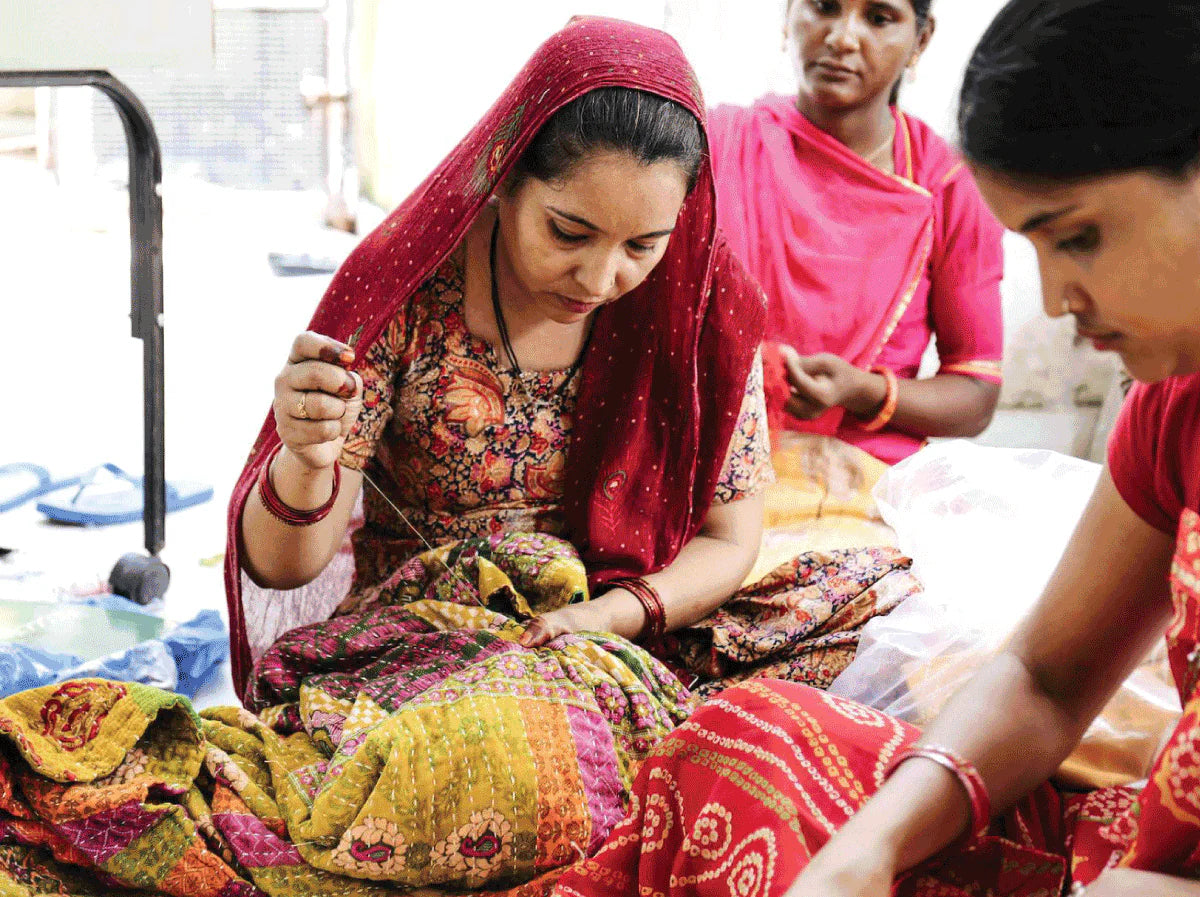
707,571
1003,722
704,576
1018,718
945,405
279,556
712,566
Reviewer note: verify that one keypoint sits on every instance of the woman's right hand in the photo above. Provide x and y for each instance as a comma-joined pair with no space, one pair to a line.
317,400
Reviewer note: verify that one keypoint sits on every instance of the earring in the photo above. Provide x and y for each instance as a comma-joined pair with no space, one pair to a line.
1066,306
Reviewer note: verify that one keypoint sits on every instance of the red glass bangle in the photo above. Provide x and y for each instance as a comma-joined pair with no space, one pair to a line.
284,512
890,399
966,773
651,602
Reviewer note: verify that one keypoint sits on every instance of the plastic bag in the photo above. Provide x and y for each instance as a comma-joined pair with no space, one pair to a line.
985,528
106,637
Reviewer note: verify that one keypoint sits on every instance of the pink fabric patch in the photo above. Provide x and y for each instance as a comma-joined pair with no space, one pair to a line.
106,834
255,845
235,888
598,769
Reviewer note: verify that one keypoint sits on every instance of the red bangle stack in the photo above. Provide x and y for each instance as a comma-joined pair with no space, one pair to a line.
967,775
651,602
284,512
890,399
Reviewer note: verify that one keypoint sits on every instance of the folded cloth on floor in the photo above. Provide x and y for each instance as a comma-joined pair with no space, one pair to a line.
175,657
820,501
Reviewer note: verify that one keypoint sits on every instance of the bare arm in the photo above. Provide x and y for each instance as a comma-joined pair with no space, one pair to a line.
706,573
316,404
708,570
942,405
1020,717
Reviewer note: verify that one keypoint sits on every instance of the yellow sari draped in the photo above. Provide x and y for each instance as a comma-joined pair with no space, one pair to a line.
821,500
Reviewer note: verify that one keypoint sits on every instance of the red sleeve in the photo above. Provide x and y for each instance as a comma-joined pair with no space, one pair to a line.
964,299
1144,452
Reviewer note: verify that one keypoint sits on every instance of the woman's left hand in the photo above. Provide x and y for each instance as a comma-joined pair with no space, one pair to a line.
824,381
597,615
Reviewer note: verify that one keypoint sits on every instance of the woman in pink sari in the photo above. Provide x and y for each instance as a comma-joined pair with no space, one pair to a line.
870,238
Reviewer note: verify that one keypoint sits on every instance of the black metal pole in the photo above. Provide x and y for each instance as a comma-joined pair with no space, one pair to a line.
146,269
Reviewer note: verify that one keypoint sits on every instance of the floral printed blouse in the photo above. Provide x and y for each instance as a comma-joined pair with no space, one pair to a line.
466,447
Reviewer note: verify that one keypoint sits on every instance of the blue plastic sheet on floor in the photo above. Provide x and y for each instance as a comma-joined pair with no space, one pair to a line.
181,659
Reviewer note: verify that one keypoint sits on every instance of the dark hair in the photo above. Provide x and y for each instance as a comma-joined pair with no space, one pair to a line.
1066,89
649,127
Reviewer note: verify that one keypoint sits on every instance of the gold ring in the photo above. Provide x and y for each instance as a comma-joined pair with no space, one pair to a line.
301,408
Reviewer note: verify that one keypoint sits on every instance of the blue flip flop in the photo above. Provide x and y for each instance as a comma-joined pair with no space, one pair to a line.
44,483
103,507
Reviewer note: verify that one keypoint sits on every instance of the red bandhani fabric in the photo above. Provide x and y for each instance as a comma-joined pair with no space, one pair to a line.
736,801
739,798
666,370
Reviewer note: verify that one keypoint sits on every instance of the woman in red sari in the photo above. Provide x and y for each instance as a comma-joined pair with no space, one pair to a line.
541,374
870,239
550,336
538,340
774,789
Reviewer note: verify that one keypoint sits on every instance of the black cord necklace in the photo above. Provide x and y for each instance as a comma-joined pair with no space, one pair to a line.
502,325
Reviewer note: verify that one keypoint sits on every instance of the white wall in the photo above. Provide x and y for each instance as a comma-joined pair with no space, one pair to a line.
437,66
84,34
433,68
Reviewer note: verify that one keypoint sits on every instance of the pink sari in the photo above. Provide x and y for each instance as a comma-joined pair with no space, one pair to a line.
854,261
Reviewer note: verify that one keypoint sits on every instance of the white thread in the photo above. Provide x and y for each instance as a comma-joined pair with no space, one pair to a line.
453,573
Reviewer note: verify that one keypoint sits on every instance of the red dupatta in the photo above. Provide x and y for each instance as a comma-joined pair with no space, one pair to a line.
664,376
839,246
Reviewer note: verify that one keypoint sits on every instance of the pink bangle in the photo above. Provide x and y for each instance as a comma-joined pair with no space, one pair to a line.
284,512
651,602
890,399
966,773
